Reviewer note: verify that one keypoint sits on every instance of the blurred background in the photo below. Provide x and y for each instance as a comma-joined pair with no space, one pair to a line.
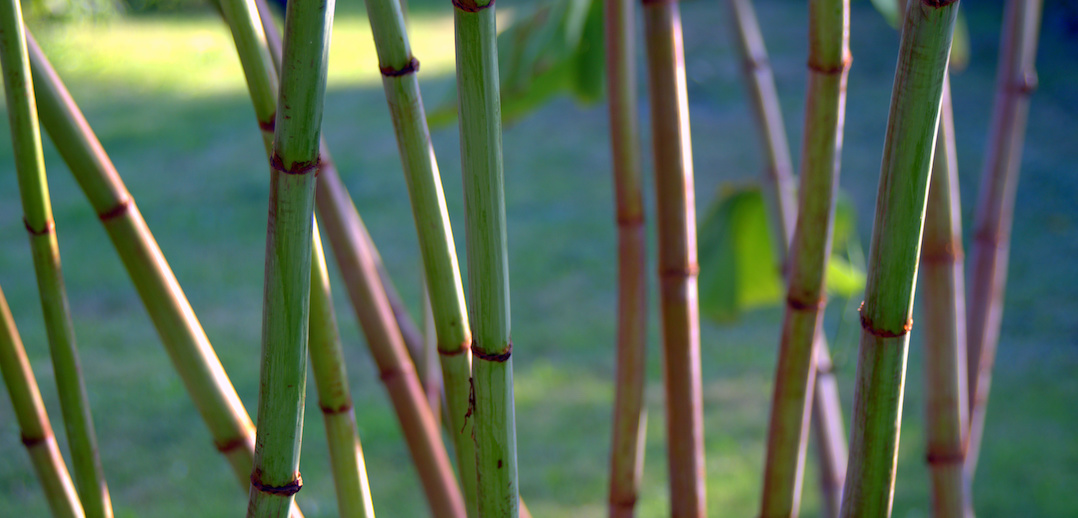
161,84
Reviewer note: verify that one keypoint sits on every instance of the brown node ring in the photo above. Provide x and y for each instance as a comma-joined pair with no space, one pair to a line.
50,228
677,272
298,168
411,68
842,67
454,352
119,210
945,459
270,125
288,489
334,410
657,2
799,305
497,357
469,6
867,325
31,442
228,446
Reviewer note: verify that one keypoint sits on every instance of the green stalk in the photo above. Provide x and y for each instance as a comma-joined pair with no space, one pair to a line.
37,210
479,105
630,415
829,427
33,421
1015,82
334,396
276,479
676,210
829,62
893,256
442,274
945,326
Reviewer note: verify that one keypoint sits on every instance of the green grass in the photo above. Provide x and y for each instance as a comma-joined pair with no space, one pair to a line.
165,109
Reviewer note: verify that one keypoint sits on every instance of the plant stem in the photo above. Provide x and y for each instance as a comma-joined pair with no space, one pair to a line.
829,62
893,257
493,414
830,431
630,415
37,210
33,421
676,212
945,326
1015,82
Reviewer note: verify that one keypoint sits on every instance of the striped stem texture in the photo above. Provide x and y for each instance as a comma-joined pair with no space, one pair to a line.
37,210
676,214
893,257
1015,81
479,105
33,421
630,415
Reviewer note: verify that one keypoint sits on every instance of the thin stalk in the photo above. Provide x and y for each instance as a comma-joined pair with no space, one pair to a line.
676,210
630,415
285,318
493,413
829,63
359,265
33,421
1015,82
430,372
893,257
945,326
827,419
37,210
334,396
441,272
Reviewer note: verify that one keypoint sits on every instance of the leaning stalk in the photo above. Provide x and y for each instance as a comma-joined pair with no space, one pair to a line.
493,414
1015,82
630,416
945,326
442,274
893,256
33,421
37,210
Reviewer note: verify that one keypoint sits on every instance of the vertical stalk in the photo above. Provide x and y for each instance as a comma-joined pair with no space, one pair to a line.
430,372
829,62
37,210
276,479
676,212
33,421
493,414
1015,82
893,257
945,326
830,431
630,416
441,272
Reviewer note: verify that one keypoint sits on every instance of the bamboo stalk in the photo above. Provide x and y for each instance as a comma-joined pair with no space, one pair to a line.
893,257
37,210
829,62
945,326
334,396
34,424
827,419
285,318
676,212
479,105
430,372
441,272
630,415
1015,82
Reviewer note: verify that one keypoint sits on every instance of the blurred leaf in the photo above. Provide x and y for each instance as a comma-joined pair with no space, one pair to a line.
589,78
960,44
889,10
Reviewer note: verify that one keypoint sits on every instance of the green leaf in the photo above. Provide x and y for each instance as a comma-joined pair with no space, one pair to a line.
960,44
889,10
589,78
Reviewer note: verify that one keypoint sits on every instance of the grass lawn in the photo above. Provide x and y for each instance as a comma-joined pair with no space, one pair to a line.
167,98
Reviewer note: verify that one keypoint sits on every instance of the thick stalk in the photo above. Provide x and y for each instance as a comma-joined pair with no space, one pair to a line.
676,211
294,164
945,326
1015,82
33,421
334,396
630,415
171,313
493,414
37,210
441,272
830,430
893,257
829,61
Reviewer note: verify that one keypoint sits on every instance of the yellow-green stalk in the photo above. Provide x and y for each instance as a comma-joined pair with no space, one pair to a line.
37,210
33,421
893,257
630,415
